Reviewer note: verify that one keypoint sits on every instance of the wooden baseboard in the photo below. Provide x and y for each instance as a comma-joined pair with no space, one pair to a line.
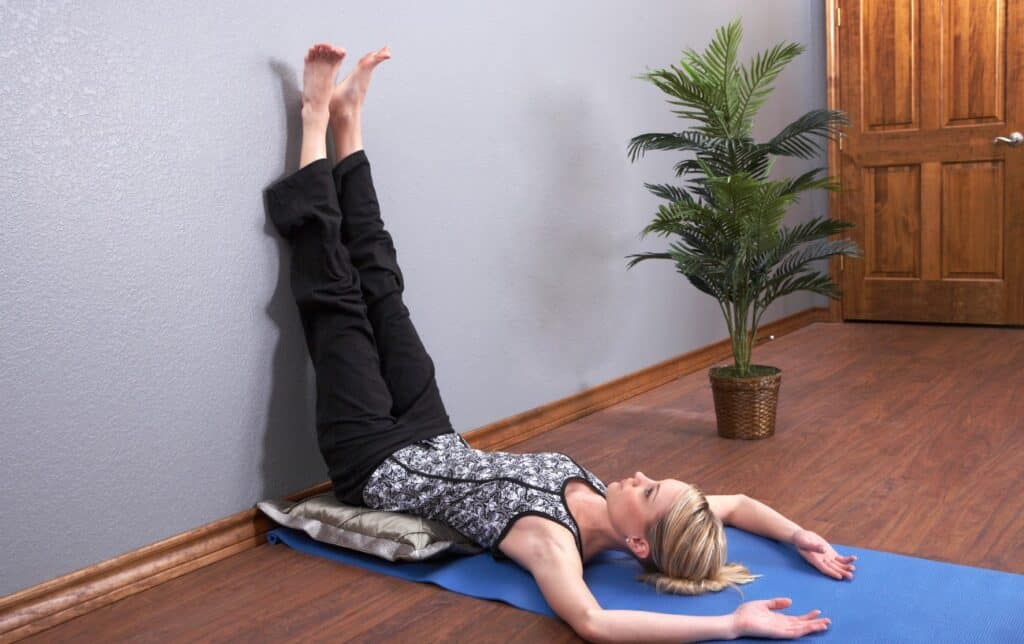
45,605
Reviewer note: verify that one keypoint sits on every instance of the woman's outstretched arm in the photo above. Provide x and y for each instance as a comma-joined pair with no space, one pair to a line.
556,566
754,516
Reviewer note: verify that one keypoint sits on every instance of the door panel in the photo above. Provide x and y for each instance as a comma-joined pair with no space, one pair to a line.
975,52
892,209
972,220
889,56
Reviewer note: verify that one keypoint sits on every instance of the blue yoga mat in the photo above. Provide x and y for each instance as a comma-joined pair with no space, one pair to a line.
892,598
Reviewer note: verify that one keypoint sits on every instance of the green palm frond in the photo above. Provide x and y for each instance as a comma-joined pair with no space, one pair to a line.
791,270
639,257
716,69
771,202
802,137
705,285
755,81
789,239
684,141
809,181
669,192
813,251
693,98
668,220
815,282
711,273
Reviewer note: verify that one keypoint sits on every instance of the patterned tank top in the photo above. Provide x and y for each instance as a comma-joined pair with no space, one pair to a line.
479,493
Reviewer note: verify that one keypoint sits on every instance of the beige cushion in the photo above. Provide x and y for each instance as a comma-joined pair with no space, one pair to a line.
390,535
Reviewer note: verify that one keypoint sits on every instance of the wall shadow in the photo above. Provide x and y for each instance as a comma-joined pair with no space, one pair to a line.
291,460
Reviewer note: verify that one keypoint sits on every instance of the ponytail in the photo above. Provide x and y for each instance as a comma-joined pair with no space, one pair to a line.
688,550
729,576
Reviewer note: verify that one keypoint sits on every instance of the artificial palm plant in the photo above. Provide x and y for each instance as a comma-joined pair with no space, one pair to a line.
727,215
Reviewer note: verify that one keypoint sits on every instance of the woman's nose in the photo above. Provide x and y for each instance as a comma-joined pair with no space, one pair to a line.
640,477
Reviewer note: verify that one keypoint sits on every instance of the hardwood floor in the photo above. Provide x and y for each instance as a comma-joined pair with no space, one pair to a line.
897,437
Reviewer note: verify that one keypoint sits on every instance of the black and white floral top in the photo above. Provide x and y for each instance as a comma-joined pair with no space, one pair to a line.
479,493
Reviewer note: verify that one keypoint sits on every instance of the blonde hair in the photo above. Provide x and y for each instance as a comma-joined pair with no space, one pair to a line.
687,550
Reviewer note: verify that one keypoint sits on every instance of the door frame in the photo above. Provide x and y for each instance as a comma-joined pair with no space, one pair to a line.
833,19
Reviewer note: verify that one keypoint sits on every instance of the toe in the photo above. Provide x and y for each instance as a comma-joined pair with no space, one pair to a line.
371,59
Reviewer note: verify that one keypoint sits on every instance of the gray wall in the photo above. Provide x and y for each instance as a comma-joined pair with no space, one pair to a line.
154,376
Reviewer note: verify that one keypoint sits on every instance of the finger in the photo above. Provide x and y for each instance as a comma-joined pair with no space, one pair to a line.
843,573
824,565
816,625
807,627
810,615
832,569
844,568
779,602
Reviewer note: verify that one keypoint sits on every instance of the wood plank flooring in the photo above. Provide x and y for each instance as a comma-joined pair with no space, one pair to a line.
898,437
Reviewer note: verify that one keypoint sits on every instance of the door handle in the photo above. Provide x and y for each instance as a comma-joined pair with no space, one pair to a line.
1014,140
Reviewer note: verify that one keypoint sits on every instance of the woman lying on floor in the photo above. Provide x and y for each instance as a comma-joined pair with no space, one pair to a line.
388,443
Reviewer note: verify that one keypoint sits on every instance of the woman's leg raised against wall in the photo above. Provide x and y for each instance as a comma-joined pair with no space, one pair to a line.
405,365
353,402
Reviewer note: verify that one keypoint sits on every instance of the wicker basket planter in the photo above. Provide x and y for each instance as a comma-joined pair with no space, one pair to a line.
746,407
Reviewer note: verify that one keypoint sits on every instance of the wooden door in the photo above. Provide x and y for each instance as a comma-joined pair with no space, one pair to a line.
938,205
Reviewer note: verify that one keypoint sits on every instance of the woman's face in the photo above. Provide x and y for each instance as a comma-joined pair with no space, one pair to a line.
637,502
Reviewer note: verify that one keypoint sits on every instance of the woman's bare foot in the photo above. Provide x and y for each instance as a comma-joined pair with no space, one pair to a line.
322,63
346,105
348,95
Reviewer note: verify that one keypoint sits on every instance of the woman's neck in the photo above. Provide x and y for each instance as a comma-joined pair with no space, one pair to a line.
590,510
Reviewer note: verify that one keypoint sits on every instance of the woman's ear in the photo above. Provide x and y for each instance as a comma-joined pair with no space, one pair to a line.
639,547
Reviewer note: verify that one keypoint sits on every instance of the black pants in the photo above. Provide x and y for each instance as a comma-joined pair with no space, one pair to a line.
375,385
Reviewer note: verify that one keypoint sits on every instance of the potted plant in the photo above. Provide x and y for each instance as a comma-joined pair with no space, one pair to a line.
727,216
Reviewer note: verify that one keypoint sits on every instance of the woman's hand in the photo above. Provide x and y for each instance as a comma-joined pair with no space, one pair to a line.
756,619
822,556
